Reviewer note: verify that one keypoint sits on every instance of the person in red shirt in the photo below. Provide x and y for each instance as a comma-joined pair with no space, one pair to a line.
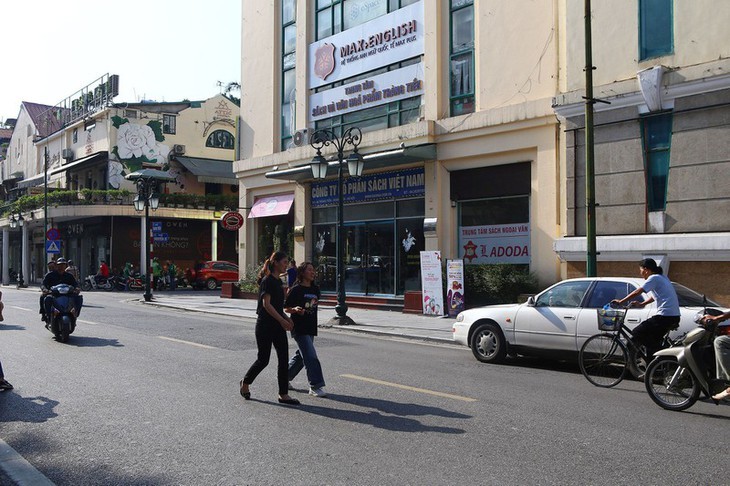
103,272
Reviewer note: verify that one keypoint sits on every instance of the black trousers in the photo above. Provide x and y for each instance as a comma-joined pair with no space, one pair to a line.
266,336
650,332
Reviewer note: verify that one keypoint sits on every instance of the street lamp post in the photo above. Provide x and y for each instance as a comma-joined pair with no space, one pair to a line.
355,164
147,181
18,222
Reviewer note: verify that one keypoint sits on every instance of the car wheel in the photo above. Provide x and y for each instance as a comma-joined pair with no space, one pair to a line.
211,284
488,344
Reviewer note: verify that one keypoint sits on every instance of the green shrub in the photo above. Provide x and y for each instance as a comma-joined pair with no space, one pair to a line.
497,284
248,281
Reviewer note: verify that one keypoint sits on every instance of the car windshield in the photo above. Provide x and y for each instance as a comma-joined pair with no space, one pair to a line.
690,298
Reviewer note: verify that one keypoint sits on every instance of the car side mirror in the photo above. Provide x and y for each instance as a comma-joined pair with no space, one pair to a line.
531,301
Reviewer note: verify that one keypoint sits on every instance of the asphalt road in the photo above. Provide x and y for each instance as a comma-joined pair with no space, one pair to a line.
145,396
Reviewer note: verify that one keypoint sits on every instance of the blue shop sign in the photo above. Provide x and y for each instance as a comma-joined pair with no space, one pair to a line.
373,187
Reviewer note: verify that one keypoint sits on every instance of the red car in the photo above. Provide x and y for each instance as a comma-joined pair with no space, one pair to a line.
211,274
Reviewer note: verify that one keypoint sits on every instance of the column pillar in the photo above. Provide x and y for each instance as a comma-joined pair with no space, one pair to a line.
214,240
6,256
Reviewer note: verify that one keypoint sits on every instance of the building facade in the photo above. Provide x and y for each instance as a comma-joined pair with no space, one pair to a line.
460,139
662,151
76,158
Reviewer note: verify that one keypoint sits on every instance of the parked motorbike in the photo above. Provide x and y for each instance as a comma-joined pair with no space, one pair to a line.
62,321
90,283
677,376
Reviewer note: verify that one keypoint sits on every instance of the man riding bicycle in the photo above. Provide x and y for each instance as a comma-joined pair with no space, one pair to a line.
650,332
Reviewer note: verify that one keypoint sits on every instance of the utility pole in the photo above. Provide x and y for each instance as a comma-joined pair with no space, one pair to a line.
590,166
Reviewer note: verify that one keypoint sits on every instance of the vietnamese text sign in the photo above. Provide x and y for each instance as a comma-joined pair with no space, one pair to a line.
395,85
385,185
431,283
384,40
496,243
454,287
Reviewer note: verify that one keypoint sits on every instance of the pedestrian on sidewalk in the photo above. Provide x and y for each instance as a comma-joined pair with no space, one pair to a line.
271,326
301,302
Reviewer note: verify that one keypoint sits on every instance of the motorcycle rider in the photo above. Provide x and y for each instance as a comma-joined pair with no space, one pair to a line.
650,332
722,355
59,276
51,269
103,272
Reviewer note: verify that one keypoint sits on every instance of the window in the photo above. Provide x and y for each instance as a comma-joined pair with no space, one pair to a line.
605,291
220,139
288,71
130,113
169,124
656,135
569,294
656,37
75,136
462,57
391,115
334,16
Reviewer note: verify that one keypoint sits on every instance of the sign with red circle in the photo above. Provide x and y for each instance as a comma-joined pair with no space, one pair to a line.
53,234
232,221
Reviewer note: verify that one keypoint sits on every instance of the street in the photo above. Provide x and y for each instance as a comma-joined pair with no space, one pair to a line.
142,395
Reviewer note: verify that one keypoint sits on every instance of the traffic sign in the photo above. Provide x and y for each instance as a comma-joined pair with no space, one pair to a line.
53,246
53,234
156,225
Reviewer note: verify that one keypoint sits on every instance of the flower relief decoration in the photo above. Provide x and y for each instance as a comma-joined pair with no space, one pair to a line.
137,146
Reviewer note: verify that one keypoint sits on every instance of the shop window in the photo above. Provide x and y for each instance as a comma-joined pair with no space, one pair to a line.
656,36
288,71
462,57
169,124
656,135
275,233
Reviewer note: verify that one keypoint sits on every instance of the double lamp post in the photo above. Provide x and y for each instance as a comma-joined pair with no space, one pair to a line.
355,164
18,222
147,181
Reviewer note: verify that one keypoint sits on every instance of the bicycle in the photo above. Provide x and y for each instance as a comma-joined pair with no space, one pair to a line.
605,357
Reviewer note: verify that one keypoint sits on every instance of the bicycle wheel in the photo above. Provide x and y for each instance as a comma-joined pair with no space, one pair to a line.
637,363
603,360
678,395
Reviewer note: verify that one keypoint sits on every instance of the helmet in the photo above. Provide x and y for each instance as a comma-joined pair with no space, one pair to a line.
61,261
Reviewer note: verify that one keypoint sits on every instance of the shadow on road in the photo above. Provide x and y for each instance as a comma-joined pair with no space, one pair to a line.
11,327
395,423
16,408
94,342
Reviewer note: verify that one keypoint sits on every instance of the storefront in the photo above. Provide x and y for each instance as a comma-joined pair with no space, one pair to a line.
383,220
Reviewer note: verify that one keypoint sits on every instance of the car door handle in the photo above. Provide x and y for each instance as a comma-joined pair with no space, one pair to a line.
633,320
568,317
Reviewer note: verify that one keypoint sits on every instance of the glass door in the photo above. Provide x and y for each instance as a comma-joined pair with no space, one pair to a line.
369,258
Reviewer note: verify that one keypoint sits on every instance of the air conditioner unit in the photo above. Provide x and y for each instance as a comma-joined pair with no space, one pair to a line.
300,138
67,154
178,149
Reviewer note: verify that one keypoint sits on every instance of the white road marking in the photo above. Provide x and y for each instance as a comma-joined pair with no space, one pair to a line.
19,308
410,388
88,322
187,342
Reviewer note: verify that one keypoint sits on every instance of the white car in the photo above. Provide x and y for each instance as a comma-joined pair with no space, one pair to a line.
557,321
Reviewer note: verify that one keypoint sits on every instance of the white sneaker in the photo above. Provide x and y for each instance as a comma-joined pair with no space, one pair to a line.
318,392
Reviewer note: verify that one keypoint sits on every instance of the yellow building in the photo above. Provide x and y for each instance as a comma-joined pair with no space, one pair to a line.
459,137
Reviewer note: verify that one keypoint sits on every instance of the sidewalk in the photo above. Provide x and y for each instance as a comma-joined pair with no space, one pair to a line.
412,326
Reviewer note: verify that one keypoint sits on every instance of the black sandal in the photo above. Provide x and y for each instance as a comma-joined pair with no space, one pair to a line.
289,401
245,395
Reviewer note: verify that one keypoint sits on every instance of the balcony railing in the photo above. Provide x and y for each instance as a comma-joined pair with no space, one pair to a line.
116,197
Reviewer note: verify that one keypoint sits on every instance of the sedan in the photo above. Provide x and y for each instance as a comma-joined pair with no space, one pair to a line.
556,322
211,274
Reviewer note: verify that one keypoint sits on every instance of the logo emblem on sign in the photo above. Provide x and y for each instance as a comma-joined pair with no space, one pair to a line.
324,60
232,221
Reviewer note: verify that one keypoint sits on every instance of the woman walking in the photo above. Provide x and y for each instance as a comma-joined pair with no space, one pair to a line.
301,303
271,327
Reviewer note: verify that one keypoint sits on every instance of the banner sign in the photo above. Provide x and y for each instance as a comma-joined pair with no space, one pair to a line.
395,85
496,243
455,287
385,185
431,283
384,40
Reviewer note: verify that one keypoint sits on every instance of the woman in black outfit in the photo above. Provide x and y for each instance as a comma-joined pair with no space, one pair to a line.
271,327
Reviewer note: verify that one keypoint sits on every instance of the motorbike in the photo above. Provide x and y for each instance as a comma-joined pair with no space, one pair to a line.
90,283
62,321
677,375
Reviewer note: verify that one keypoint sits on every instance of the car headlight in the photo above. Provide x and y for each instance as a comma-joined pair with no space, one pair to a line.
460,317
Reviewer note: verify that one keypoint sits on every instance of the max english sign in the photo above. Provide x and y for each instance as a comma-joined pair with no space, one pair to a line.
385,40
